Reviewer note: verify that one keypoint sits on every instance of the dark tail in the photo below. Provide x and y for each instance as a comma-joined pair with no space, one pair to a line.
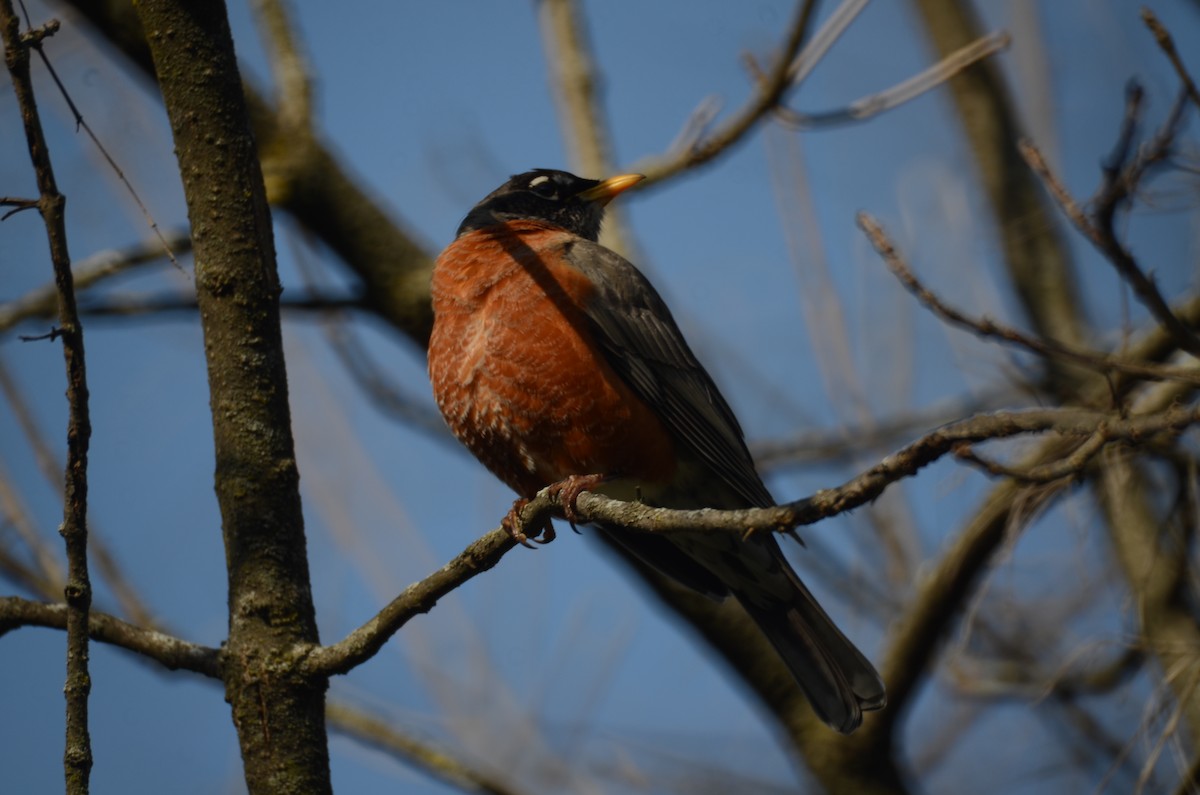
835,676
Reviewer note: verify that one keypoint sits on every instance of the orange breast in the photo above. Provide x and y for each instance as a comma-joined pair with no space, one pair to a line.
516,372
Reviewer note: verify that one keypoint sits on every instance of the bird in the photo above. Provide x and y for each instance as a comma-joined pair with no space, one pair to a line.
557,364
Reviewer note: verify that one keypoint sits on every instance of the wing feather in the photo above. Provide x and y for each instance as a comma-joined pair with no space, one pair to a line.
642,342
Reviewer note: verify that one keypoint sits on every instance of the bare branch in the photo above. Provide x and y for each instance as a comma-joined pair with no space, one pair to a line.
1163,37
35,43
830,31
168,651
770,92
905,91
871,483
1122,172
1071,466
990,329
41,302
77,756
1066,202
362,644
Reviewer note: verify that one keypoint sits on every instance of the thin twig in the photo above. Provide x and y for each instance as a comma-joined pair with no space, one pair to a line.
17,206
41,301
168,651
1066,202
770,93
904,91
990,329
1123,170
818,46
1163,37
77,757
1071,466
81,123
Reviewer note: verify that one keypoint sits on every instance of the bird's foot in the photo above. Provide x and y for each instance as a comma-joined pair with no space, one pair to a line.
567,491
512,524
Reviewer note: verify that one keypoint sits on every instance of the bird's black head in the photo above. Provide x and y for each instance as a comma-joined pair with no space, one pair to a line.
556,197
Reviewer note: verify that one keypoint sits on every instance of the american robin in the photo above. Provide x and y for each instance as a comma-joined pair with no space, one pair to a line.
556,362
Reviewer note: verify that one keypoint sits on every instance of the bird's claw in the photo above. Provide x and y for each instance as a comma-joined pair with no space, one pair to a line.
512,525
567,492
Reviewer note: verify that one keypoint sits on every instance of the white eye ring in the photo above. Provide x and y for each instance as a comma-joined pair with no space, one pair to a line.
533,183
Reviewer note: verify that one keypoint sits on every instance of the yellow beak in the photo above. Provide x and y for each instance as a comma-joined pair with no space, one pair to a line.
610,188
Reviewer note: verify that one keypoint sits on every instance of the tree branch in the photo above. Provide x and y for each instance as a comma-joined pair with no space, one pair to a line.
309,182
256,480
1163,37
770,91
41,302
871,483
166,650
1122,173
363,643
77,757
990,329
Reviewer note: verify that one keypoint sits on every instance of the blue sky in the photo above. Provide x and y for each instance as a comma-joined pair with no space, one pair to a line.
557,654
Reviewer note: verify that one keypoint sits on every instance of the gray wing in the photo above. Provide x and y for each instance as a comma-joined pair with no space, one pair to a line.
644,345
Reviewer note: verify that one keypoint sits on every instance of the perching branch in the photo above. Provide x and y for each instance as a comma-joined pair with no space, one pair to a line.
420,597
364,642
870,484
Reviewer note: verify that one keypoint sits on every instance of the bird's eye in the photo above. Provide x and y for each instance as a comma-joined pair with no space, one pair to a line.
543,186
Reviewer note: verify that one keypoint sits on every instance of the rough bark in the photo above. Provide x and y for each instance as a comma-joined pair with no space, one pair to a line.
279,715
